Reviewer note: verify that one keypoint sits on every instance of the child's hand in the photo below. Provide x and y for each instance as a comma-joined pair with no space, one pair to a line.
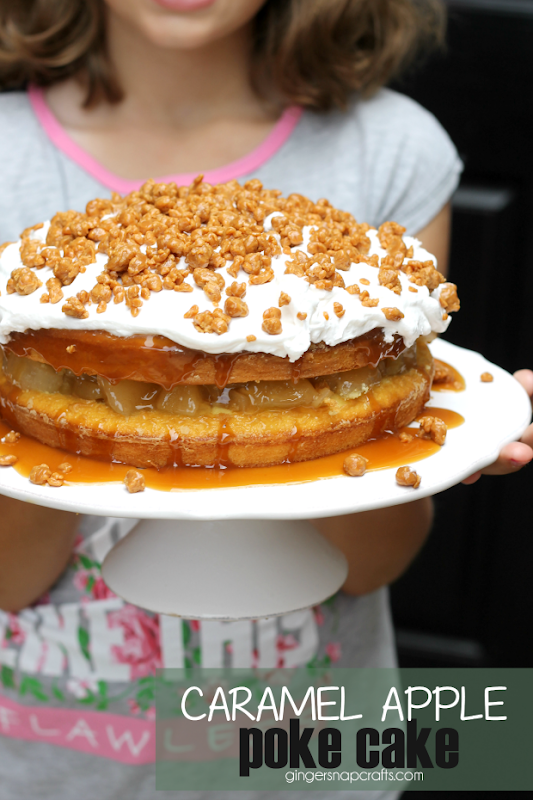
516,455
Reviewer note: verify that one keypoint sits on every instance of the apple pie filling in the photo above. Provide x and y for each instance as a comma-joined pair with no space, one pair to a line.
127,397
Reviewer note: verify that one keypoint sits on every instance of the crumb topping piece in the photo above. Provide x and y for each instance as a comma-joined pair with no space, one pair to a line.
40,474
443,373
390,280
56,479
272,321
355,465
486,377
11,437
212,321
134,481
448,297
235,307
74,307
393,314
406,476
236,290
433,428
406,437
23,281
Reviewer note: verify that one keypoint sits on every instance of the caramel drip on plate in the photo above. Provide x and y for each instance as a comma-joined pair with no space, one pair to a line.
382,453
454,382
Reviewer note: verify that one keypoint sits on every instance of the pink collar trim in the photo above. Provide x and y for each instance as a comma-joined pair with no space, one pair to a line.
244,166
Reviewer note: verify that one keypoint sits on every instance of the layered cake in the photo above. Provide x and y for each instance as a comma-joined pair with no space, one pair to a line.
217,325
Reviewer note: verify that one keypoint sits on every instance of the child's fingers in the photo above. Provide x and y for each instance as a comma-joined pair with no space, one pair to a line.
525,377
527,438
512,458
472,479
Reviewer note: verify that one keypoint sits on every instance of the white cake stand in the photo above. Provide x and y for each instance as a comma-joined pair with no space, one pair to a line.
234,553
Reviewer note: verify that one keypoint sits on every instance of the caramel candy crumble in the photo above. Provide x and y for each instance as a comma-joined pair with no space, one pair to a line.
40,474
134,481
448,297
235,307
272,321
236,290
433,428
390,280
392,314
23,281
355,465
56,479
406,476
54,290
11,438
75,308
406,437
486,377
212,321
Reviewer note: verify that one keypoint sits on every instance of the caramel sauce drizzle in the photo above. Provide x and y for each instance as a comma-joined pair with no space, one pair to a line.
454,380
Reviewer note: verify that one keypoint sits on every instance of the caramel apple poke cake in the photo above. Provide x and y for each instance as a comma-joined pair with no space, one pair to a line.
215,326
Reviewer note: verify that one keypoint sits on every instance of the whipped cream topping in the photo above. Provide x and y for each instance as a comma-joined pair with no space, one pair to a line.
163,313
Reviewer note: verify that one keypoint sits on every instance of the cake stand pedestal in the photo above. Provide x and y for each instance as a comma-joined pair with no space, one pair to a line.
231,569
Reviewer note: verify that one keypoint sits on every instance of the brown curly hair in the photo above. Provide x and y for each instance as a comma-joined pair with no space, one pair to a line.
314,53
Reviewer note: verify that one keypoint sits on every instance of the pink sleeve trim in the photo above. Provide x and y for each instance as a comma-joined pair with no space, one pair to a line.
244,166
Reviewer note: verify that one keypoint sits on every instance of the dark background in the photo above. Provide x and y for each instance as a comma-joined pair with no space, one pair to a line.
467,600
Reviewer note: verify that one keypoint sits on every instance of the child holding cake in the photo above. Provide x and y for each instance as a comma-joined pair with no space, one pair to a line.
121,90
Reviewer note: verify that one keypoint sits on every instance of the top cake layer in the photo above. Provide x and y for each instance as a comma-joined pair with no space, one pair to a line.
222,269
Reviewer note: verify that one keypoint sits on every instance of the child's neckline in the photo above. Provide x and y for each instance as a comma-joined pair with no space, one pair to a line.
236,169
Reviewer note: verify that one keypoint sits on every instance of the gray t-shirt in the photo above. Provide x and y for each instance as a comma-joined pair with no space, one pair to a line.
76,705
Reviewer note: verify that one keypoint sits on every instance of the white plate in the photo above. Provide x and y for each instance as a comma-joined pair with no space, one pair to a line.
495,414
